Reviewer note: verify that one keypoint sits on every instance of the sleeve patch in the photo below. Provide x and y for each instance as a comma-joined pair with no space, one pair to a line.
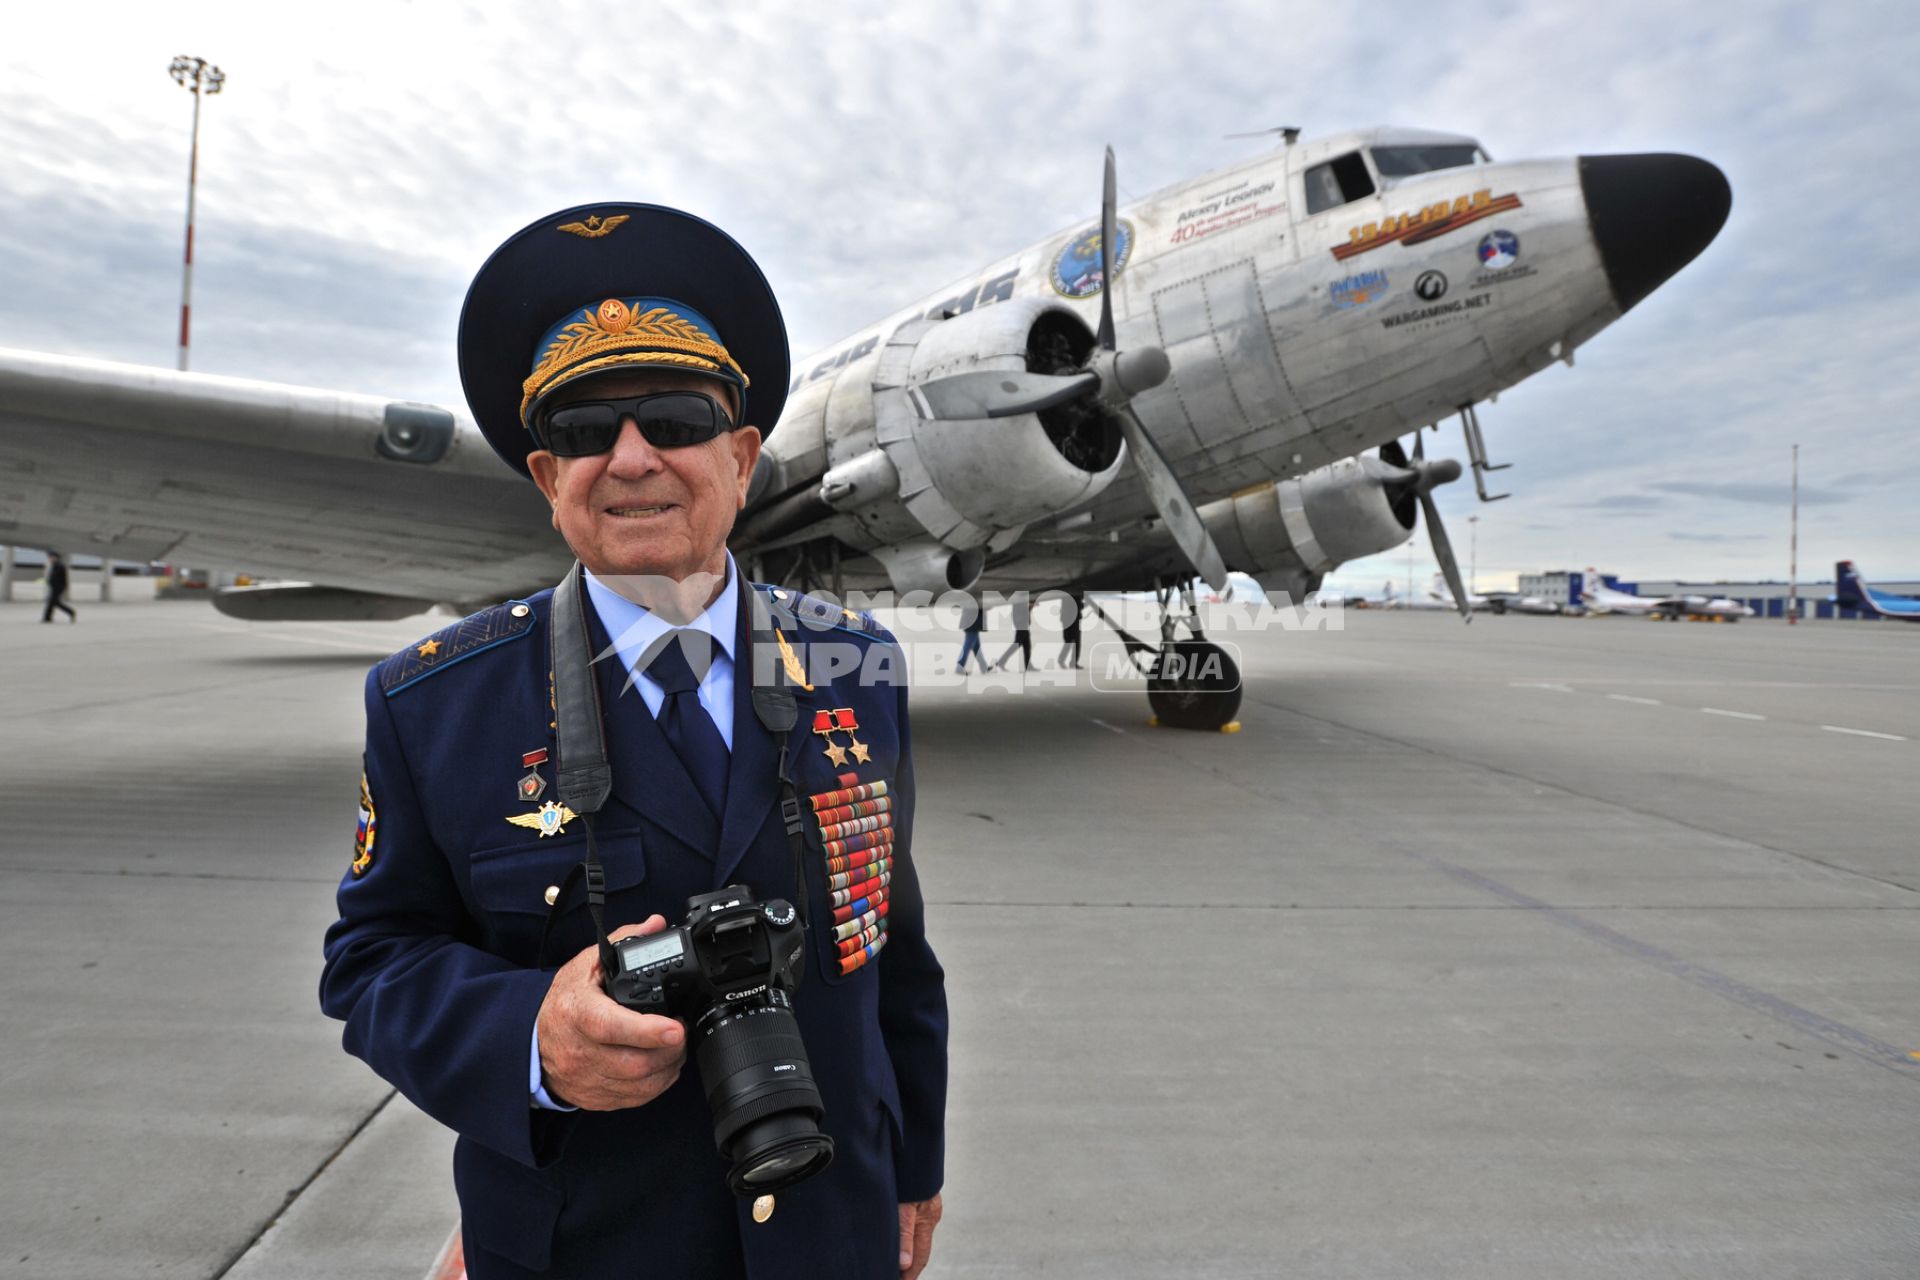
363,836
470,635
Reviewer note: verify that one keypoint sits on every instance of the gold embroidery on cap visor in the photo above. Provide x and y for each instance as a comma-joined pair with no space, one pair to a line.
612,335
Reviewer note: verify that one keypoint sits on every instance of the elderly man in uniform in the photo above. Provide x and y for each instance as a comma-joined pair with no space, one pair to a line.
623,357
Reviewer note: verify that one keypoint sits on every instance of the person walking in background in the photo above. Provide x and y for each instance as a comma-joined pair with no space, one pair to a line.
1022,634
1070,633
970,643
57,583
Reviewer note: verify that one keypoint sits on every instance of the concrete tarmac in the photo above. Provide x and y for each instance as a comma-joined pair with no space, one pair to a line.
1540,947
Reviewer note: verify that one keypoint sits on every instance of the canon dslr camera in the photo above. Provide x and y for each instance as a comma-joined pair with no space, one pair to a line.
729,974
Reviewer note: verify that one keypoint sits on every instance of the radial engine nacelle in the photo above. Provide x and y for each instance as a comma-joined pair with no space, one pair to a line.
929,492
1291,533
966,480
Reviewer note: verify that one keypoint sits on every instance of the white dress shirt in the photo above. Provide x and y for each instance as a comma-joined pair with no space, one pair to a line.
633,629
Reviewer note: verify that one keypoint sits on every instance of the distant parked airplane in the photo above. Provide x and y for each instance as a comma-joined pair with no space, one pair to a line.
1852,592
1598,597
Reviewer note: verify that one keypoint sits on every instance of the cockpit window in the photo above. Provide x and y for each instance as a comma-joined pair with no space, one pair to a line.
1402,162
1337,182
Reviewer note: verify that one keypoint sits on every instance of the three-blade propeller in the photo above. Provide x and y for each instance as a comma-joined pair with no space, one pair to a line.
1115,377
1420,478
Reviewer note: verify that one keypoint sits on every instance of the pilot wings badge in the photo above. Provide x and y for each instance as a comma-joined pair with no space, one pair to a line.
595,226
549,819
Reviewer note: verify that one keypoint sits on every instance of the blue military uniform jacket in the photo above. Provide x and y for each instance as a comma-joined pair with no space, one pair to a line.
434,963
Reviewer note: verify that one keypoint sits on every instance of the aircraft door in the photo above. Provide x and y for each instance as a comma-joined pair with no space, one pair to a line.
1229,398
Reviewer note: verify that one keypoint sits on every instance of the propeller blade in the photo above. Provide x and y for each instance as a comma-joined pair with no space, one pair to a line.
1428,475
1171,501
1109,232
983,393
1443,552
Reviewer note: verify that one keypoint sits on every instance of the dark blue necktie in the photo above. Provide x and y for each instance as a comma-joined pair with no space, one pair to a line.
689,729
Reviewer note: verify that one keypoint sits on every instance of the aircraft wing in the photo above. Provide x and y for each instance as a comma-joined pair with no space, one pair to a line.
354,491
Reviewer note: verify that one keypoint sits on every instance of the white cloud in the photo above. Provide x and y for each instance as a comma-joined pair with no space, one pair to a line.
366,157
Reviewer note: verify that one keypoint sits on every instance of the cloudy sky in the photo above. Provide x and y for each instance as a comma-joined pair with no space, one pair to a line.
364,159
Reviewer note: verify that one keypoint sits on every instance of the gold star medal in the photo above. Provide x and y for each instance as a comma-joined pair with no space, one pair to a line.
549,819
843,719
823,724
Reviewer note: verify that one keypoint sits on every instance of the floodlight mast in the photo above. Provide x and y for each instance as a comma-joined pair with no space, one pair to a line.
199,77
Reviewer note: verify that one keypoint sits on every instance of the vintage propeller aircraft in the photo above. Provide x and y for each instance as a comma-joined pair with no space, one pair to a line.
1214,377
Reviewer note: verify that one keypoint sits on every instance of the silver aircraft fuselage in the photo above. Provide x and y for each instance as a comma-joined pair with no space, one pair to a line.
1297,337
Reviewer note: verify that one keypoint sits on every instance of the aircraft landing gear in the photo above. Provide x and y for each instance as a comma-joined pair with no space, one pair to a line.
1192,683
1195,685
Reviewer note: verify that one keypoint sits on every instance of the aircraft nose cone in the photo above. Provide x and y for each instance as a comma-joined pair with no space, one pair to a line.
1651,215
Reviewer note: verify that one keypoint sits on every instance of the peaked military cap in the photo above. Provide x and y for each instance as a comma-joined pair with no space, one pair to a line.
612,286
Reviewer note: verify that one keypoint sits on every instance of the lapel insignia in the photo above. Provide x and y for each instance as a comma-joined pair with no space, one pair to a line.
791,661
549,819
855,821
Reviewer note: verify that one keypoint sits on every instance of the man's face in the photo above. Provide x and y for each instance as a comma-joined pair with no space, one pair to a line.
639,510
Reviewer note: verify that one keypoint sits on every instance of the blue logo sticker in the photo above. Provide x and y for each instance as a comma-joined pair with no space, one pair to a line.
1357,290
1076,268
1499,250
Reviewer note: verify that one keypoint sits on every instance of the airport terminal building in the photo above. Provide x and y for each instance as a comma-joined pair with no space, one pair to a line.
1767,599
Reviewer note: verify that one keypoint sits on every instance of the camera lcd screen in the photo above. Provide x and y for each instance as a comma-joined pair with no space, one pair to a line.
641,953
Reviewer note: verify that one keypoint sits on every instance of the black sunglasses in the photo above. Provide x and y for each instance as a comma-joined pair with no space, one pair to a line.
668,420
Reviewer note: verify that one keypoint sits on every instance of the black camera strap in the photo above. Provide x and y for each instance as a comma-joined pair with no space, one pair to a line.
583,777
775,707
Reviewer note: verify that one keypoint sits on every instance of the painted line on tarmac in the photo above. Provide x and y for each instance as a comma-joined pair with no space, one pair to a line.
1612,802
1862,733
368,648
1110,728
1841,1036
1712,711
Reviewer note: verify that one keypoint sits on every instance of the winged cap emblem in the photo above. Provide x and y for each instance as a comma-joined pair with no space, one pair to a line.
595,226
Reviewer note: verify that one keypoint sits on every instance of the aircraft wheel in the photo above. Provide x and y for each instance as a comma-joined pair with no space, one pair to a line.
1198,688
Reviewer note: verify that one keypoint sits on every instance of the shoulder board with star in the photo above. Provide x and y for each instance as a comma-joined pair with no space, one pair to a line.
473,634
806,609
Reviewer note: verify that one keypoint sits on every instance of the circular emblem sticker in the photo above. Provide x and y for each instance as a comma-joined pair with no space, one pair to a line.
1076,268
1431,286
1499,250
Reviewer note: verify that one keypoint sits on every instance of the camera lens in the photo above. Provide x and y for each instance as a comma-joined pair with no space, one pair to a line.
766,1108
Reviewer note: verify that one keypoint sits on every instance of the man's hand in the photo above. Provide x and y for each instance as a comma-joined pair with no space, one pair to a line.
596,1055
917,1222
